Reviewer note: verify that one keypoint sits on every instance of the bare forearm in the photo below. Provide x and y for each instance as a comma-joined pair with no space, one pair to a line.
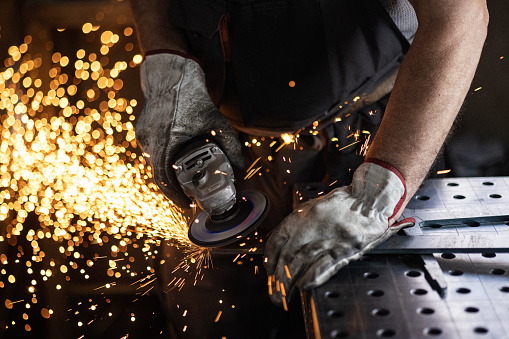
154,27
431,86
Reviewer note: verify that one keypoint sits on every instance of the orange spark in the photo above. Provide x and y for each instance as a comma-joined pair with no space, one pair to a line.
252,165
287,272
218,316
253,172
285,306
280,146
353,143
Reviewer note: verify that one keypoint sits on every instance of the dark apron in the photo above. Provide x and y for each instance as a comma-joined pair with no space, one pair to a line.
332,50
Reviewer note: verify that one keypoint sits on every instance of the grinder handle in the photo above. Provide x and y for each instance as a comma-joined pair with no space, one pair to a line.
206,176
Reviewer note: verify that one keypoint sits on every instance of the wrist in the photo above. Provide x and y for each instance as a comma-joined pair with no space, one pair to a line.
380,188
403,200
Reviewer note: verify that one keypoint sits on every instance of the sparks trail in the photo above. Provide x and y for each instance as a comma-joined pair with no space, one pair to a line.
57,168
68,155
198,257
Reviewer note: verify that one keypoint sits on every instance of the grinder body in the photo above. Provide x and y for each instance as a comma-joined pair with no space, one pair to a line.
204,173
206,176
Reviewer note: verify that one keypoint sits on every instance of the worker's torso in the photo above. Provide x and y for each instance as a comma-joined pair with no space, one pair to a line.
292,62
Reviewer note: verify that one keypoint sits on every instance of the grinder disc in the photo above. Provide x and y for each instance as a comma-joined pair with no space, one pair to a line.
253,206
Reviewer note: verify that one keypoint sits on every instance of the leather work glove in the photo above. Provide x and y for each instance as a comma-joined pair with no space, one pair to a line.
314,242
177,109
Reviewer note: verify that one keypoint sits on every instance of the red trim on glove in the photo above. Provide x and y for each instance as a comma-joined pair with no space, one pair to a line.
404,221
171,51
395,171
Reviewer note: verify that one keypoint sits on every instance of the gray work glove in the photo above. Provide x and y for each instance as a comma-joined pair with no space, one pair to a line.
314,242
177,109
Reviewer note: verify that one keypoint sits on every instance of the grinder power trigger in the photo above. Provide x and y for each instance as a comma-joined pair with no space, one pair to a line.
206,177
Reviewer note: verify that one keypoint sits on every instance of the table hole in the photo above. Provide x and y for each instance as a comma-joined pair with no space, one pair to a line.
425,310
381,312
386,333
459,196
339,334
463,290
448,255
504,289
495,196
488,183
371,275
456,272
489,255
481,330
419,291
472,223
453,184
335,314
422,197
435,226
471,309
376,293
497,271
507,223
432,331
413,274
332,294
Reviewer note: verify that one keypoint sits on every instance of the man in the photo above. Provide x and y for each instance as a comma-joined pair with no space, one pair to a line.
322,70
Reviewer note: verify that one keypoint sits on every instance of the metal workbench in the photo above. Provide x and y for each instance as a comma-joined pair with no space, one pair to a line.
462,295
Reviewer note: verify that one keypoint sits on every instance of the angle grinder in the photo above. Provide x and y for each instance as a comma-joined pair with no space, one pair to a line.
206,177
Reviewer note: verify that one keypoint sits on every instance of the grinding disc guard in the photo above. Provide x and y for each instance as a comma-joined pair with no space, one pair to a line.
202,236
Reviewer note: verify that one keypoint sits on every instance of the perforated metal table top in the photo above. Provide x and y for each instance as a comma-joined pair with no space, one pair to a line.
388,296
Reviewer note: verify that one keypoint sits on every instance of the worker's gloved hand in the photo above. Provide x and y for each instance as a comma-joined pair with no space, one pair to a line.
177,109
314,242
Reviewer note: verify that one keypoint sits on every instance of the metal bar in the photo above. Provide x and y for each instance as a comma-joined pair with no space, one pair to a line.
434,275
310,317
427,244
432,271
